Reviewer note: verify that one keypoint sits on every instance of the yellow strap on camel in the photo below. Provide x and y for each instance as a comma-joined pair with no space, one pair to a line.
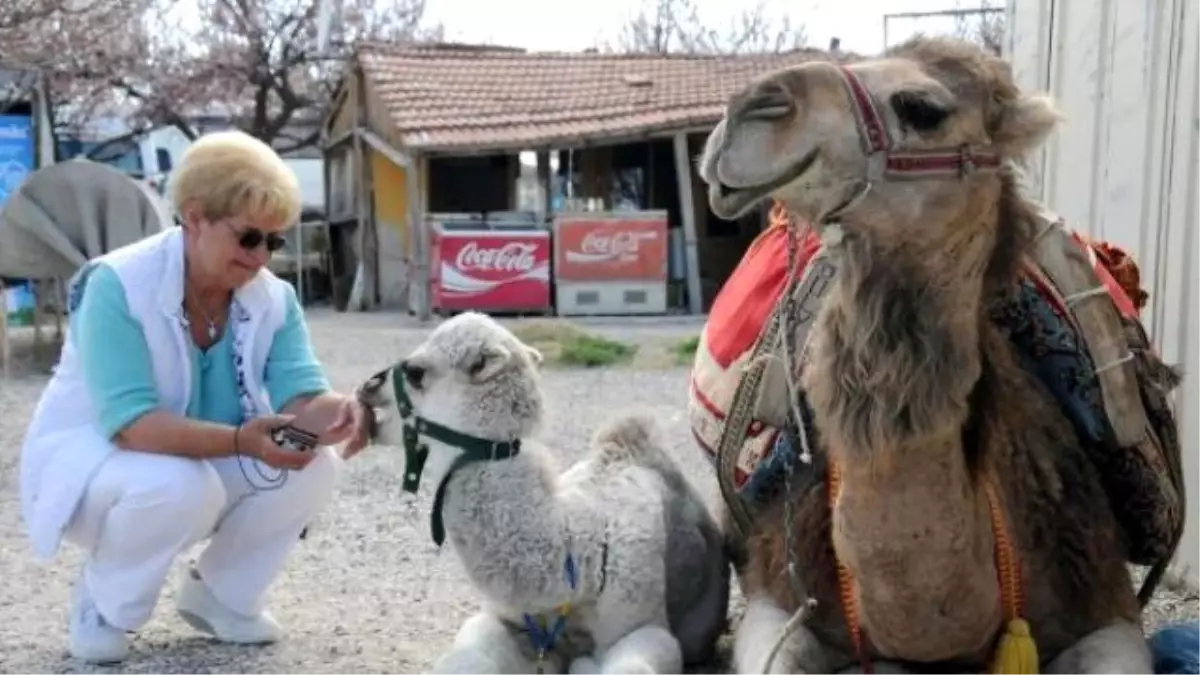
1016,651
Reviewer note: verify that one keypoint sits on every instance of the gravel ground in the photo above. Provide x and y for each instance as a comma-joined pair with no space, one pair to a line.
367,591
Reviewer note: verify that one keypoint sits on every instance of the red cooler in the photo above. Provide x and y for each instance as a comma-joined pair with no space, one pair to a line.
489,270
611,262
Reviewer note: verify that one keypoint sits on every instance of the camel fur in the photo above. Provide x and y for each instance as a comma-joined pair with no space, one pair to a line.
914,393
653,576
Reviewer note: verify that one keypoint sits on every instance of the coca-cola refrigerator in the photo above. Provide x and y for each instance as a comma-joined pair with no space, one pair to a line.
501,266
610,262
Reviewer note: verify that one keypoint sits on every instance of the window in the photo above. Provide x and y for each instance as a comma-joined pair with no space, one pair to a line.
164,160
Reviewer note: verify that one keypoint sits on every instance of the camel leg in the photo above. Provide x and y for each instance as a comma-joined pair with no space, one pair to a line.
485,644
760,629
1118,647
649,649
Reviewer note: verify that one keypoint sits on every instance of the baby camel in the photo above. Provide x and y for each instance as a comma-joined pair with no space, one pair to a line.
614,565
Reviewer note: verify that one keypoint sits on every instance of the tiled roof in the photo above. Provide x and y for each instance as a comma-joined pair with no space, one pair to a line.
456,97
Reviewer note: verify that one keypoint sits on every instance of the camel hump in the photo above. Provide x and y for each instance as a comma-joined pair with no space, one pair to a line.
629,433
631,438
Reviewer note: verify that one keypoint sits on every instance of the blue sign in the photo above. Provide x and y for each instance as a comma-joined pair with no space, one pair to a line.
16,152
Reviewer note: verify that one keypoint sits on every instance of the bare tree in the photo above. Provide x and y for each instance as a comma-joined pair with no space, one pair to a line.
670,26
984,26
262,57
254,62
43,36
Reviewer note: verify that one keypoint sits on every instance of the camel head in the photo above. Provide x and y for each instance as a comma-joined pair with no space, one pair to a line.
472,377
894,147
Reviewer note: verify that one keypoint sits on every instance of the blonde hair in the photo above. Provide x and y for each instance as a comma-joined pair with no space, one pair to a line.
230,173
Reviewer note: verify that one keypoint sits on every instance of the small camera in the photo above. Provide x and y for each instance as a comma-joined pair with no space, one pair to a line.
291,438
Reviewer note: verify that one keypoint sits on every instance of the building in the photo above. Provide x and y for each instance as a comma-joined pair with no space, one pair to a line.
440,128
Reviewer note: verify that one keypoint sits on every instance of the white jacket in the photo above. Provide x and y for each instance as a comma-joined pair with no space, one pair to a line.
64,447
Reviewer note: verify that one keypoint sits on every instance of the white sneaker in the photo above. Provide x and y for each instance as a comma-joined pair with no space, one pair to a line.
91,638
201,610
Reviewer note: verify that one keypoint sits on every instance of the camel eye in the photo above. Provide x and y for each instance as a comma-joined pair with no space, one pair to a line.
477,365
917,111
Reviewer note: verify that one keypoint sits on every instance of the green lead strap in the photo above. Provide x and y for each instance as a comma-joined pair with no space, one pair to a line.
474,449
415,454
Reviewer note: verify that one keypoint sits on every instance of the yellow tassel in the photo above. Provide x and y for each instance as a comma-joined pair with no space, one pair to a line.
1016,652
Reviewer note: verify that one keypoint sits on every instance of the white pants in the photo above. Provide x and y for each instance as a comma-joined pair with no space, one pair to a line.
141,510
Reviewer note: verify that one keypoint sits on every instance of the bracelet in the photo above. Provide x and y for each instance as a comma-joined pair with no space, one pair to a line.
237,450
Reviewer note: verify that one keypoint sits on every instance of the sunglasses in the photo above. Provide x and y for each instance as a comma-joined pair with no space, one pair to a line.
251,238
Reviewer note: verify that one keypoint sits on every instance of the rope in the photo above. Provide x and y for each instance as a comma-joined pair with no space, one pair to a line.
846,578
787,335
1016,651
790,627
1011,596
543,639
785,340
1115,364
1073,298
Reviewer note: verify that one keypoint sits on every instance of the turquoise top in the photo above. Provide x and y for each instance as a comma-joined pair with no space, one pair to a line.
119,374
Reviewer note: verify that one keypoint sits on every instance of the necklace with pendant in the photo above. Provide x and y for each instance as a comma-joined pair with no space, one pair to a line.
212,325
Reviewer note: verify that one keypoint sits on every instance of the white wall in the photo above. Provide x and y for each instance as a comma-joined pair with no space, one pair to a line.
1124,165
169,138
312,180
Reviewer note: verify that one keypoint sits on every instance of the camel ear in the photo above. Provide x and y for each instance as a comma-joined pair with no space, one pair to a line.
534,355
1026,123
491,359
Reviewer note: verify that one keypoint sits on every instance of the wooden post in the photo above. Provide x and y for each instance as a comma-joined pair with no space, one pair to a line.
648,182
60,310
687,209
39,311
420,236
326,179
514,182
368,244
543,180
358,300
5,345
371,289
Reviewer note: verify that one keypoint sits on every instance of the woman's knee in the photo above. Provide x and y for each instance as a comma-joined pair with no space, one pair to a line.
308,490
315,483
167,491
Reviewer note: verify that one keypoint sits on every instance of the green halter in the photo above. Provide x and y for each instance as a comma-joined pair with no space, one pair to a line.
474,449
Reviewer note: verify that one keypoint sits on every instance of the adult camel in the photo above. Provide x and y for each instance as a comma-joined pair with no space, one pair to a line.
949,505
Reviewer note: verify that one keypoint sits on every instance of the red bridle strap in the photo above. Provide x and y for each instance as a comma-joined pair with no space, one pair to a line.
888,162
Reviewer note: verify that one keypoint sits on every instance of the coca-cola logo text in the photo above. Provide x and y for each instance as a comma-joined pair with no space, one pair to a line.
511,257
613,243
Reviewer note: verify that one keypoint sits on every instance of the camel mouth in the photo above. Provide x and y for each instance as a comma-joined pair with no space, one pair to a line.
730,202
373,409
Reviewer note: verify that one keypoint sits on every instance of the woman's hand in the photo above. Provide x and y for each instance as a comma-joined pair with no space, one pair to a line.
254,439
347,426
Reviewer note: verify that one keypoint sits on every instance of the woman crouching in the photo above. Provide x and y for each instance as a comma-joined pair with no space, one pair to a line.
182,355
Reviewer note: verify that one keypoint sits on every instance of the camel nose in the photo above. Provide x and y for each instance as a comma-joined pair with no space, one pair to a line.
413,373
771,104
367,390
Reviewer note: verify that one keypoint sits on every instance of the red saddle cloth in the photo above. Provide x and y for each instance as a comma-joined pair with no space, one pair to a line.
742,307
